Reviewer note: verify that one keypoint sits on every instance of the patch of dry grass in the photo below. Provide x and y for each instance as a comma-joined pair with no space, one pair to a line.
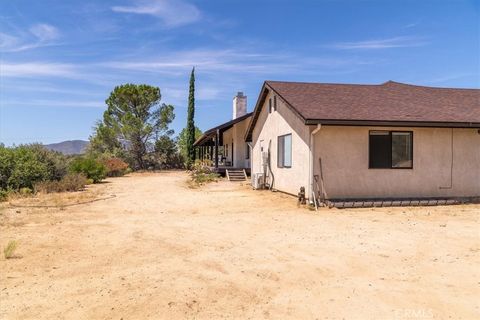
9,250
58,199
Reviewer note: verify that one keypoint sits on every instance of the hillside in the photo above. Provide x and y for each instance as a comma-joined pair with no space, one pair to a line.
69,147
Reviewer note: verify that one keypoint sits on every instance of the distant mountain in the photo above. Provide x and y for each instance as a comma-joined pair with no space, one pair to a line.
69,147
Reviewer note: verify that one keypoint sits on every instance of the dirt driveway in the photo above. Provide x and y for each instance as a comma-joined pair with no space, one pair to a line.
159,250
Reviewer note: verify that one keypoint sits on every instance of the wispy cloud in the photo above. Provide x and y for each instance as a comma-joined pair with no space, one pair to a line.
35,69
213,61
174,13
394,42
44,32
451,77
87,73
410,25
55,103
39,35
210,62
8,41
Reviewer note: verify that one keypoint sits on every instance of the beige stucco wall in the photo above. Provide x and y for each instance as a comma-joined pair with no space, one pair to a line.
344,153
267,129
236,135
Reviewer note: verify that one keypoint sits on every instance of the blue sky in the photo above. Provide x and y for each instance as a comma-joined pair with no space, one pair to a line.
61,59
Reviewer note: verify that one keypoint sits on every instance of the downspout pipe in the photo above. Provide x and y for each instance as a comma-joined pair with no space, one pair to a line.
250,147
311,162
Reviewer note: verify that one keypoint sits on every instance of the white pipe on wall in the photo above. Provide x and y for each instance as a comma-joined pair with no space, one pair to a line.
311,162
252,174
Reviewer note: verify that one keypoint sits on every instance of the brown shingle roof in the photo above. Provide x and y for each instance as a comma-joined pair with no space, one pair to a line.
387,104
391,101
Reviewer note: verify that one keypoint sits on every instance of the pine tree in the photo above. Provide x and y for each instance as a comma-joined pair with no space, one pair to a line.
190,121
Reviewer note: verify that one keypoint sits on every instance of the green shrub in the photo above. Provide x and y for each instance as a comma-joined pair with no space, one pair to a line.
27,169
91,168
25,191
202,173
25,165
71,182
9,250
7,164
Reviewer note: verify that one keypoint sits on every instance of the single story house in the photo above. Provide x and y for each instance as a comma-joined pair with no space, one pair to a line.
225,144
348,141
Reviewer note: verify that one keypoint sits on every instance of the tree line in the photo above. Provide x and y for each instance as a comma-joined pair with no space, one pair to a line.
133,134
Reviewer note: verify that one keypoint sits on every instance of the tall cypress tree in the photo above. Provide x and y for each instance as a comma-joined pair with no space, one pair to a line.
190,121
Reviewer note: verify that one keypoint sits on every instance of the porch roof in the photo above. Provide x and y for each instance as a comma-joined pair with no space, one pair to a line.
207,136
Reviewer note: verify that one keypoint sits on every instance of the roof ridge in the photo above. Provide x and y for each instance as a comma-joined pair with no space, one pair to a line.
428,87
389,82
325,83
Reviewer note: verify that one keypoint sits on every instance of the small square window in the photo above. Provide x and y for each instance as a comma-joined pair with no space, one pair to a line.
391,150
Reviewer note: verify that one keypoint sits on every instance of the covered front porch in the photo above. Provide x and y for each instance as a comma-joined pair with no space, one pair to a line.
223,147
210,150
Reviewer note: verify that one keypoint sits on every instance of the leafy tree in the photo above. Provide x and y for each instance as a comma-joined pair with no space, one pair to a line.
105,142
190,122
166,152
132,122
182,141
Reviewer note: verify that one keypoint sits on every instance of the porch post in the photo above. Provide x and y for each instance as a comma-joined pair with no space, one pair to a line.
211,152
216,148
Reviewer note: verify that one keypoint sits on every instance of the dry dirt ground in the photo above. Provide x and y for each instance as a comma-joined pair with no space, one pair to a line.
156,249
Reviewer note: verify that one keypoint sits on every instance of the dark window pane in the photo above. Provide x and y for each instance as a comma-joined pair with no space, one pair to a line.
379,149
402,150
280,151
275,103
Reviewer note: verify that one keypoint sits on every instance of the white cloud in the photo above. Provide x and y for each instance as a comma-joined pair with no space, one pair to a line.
45,32
39,35
205,60
395,42
7,41
55,103
174,13
410,25
451,77
35,69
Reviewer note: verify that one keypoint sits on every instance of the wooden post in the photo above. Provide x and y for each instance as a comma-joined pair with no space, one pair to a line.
211,152
216,148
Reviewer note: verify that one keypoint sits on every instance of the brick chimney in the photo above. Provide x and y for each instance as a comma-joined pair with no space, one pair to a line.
239,105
